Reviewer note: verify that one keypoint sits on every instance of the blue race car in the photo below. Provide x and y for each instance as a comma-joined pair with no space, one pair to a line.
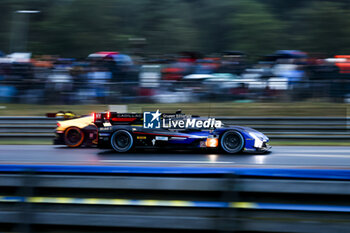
127,131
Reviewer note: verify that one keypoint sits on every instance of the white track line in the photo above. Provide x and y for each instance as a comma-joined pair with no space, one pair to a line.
316,151
161,161
314,155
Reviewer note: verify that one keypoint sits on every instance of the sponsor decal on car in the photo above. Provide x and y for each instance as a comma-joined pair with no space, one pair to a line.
152,120
161,138
191,123
107,124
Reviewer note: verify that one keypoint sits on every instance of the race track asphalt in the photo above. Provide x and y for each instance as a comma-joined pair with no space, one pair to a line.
280,156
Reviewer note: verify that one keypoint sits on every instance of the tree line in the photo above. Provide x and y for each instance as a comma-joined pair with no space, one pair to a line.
75,28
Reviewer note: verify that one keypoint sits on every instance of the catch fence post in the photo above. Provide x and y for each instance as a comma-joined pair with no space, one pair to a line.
25,191
228,216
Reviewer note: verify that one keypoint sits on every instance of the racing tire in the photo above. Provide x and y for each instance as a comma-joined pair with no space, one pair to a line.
122,141
74,137
232,142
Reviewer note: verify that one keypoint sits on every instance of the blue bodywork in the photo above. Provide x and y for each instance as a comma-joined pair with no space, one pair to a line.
254,141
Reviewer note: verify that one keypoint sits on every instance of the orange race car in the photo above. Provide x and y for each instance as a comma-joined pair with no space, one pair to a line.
75,131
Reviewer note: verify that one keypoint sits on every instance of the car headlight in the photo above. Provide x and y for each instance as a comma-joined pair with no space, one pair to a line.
258,140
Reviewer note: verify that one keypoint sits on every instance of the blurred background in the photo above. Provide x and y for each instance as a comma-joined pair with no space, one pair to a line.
281,67
174,51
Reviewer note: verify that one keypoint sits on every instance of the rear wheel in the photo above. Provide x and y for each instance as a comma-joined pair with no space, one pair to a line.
232,142
122,141
73,137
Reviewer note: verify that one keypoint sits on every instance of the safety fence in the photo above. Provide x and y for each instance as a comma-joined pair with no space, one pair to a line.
37,198
279,128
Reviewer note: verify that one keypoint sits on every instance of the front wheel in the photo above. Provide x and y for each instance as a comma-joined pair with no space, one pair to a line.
232,142
122,141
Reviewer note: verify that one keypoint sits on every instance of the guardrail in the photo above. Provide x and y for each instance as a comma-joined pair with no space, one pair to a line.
279,128
145,199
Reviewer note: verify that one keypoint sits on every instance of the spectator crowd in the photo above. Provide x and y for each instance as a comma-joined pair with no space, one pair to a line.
112,77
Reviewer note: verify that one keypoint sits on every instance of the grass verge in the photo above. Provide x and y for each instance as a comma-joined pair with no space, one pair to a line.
203,109
26,142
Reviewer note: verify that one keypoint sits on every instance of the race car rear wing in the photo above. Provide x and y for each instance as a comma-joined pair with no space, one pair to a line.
61,114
